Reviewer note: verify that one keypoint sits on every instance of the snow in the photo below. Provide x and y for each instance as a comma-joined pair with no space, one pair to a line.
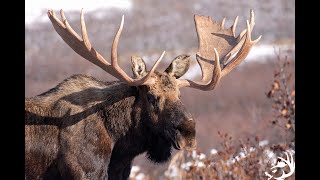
242,155
201,164
267,50
213,151
186,166
251,149
263,143
202,156
134,171
140,176
36,9
194,154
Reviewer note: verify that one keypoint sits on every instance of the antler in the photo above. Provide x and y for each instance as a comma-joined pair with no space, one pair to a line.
83,48
214,40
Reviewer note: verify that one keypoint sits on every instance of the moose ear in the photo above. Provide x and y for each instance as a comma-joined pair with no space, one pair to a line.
138,67
179,66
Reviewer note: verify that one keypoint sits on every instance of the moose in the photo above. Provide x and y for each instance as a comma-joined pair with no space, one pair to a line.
85,128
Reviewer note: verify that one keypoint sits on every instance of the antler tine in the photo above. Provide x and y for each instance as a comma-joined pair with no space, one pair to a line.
222,22
84,48
236,47
84,32
240,38
216,76
114,48
154,67
251,20
66,23
234,26
75,42
241,35
243,52
122,74
147,78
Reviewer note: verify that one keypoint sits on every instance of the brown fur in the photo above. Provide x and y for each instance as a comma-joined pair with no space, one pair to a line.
88,129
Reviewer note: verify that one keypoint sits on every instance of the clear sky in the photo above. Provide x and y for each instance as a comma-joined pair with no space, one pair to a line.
36,9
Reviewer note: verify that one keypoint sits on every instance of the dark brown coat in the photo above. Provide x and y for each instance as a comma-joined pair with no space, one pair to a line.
88,129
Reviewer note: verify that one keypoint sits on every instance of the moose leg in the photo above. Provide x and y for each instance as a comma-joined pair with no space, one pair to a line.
119,170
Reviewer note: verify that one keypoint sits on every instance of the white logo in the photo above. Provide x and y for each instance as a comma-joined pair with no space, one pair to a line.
281,164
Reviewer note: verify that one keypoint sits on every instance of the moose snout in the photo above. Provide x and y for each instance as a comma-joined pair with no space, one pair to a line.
186,143
186,133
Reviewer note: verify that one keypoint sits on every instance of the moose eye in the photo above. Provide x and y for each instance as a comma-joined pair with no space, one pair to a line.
151,99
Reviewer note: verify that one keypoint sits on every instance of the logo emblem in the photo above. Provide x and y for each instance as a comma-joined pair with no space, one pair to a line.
282,164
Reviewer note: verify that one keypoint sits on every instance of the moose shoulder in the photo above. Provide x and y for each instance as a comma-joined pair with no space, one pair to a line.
88,129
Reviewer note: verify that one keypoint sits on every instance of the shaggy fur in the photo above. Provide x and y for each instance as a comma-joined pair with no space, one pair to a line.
88,129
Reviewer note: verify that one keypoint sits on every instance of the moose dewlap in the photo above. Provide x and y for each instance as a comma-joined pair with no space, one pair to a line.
88,129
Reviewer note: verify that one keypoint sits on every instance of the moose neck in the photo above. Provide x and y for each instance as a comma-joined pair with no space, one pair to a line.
124,114
118,108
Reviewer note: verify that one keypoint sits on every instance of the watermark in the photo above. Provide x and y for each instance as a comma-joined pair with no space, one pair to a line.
283,163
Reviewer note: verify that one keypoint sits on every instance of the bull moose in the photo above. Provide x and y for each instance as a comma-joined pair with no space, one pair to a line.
85,128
